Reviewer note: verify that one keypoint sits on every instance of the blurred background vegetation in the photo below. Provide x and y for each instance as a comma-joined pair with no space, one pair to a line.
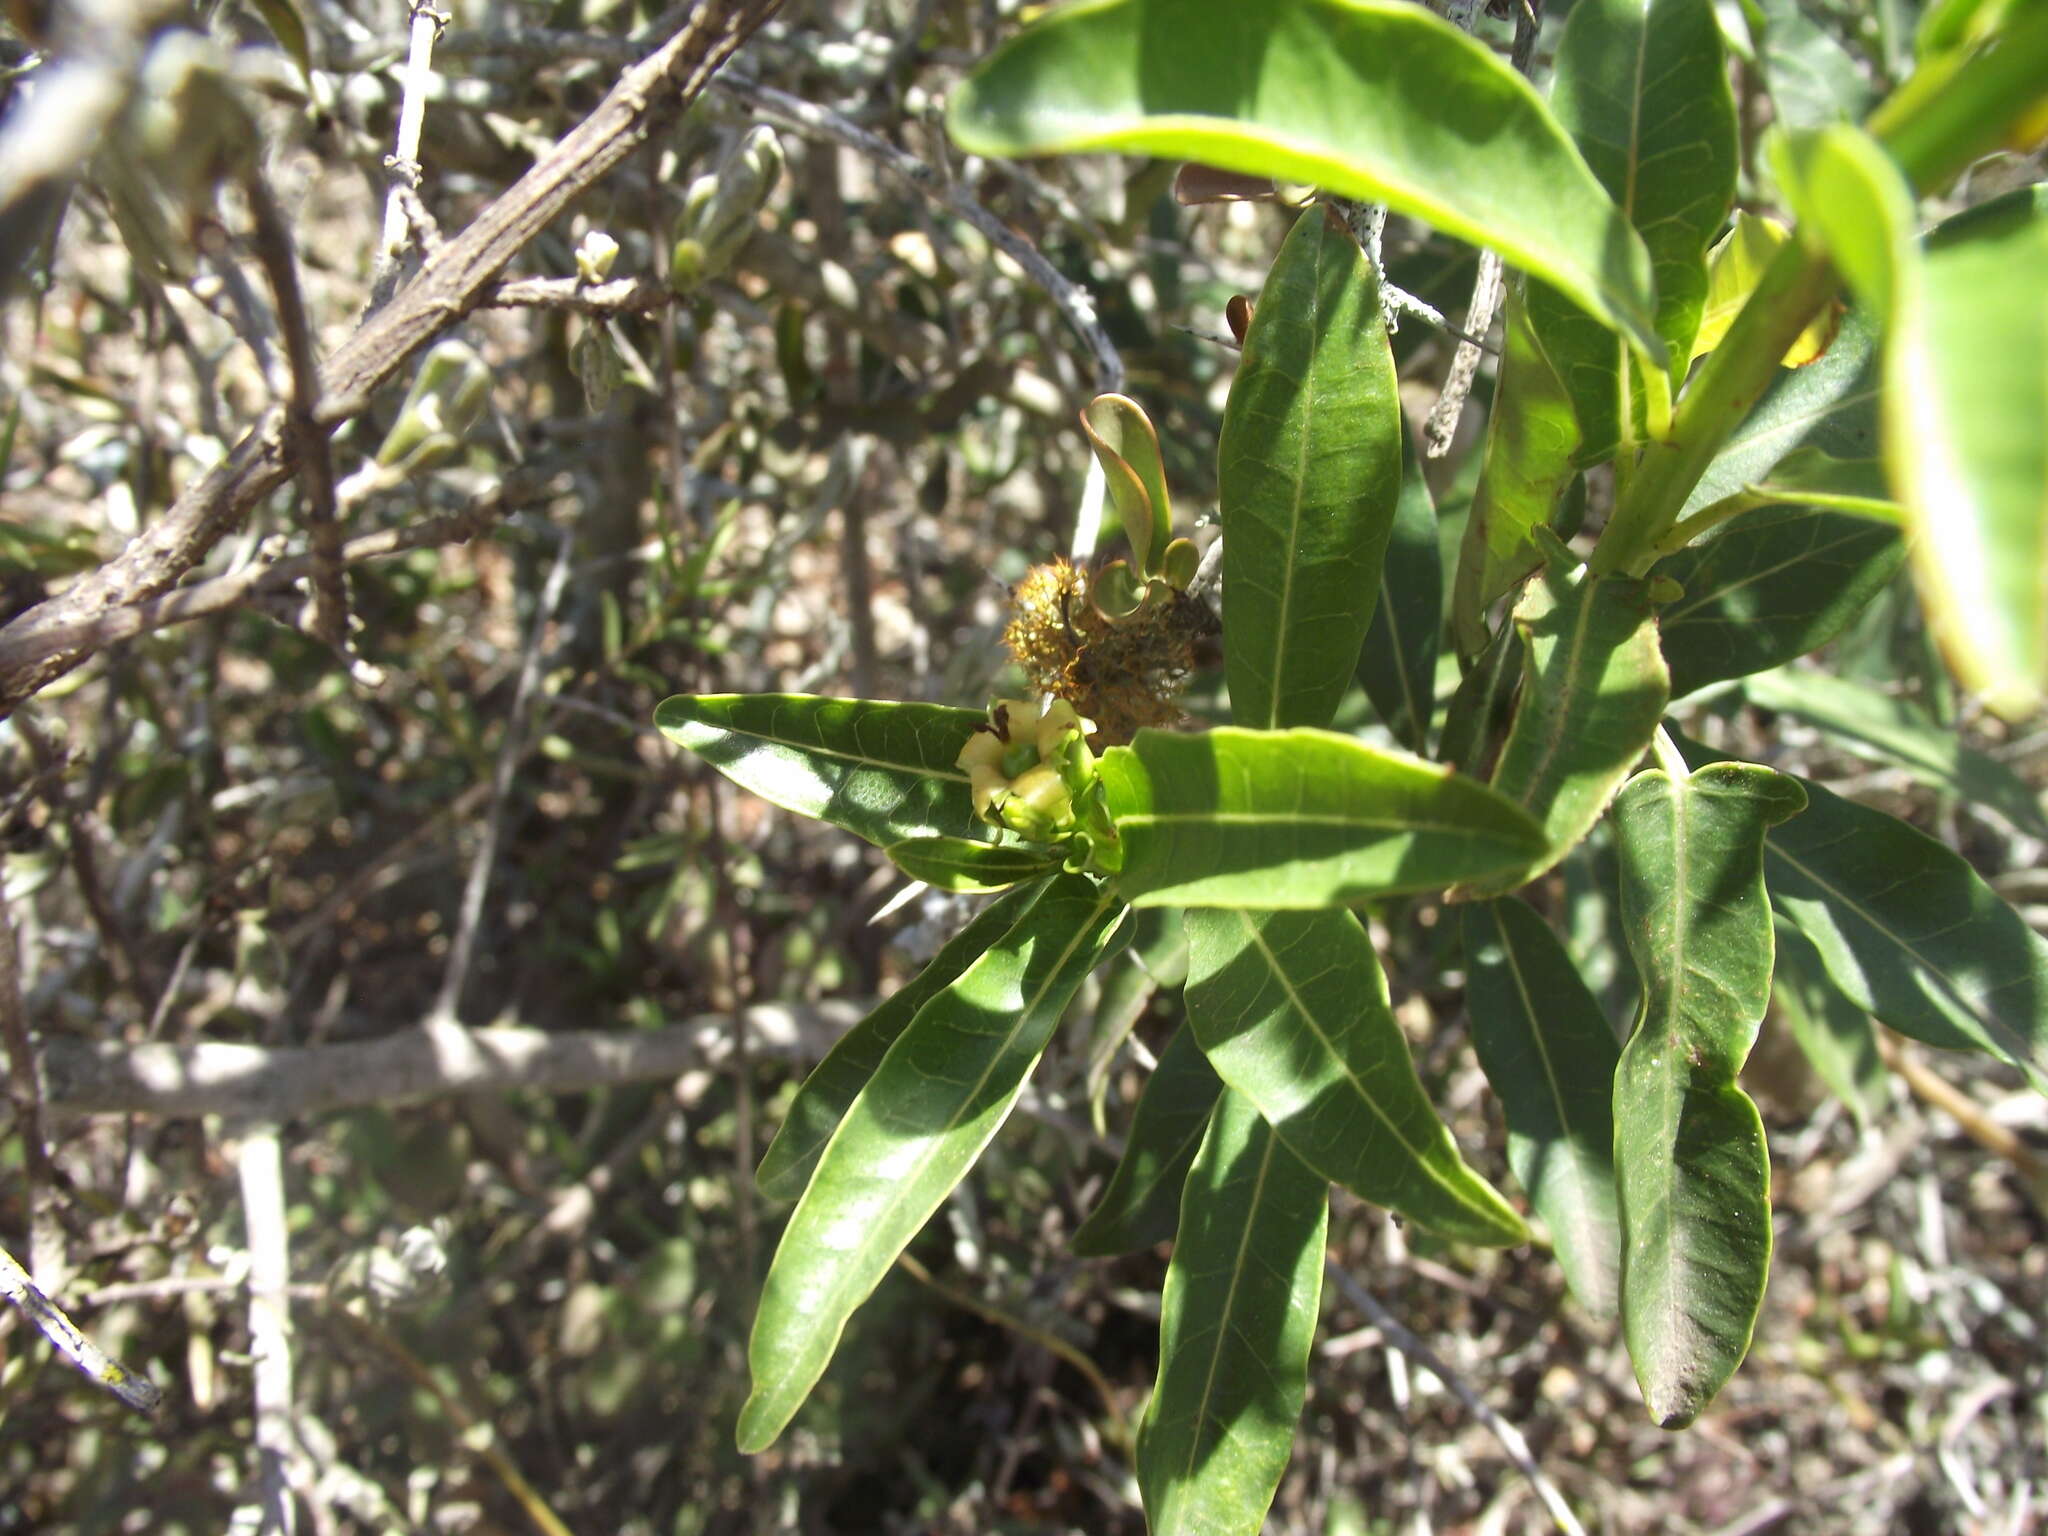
816,472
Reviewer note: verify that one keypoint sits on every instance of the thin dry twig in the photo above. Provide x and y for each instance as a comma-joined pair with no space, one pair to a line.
259,1167
404,160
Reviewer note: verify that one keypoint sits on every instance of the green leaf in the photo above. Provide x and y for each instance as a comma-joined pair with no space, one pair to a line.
1127,447
1829,405
1735,265
1235,1325
1693,1176
820,1104
1775,584
1142,1204
1292,1009
1836,1036
1308,475
289,28
1532,444
1642,87
1593,689
963,864
1883,728
1965,407
1811,78
1811,477
1550,1055
1237,818
881,771
1482,708
1398,665
940,1094
1367,98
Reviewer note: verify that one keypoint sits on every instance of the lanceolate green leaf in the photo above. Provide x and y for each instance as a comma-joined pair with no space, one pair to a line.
1550,1055
1367,98
1235,1325
966,864
1775,584
1298,819
1642,88
1398,665
1142,1204
1836,1037
815,1112
1693,1176
881,771
1594,688
1885,728
1293,1011
1308,473
939,1095
1127,447
1482,709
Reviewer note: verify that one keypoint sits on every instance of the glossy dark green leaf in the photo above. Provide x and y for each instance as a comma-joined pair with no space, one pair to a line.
1308,476
1532,445
879,770
1593,689
965,864
1141,1206
820,1104
1398,665
1292,1009
1550,1055
1300,818
939,1095
1885,728
1642,87
1837,1038
1370,99
1693,1176
1235,1325
1774,584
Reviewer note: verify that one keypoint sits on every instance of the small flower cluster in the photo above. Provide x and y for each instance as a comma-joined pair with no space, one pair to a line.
1030,772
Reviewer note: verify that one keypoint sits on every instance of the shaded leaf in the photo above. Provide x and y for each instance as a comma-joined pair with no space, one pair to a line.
1141,1206
1308,475
1776,583
1835,1036
1127,447
1550,1057
1235,1324
1292,1009
1298,819
939,1095
1398,665
1693,1175
837,1080
1482,708
881,771
1352,95
1811,78
963,864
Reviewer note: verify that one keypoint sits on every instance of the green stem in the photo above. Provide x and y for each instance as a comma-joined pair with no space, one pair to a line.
1957,108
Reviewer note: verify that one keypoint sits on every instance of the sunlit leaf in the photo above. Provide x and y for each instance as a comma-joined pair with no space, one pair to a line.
882,771
964,864
1353,95
1734,264
1141,1206
1235,1325
1292,1008
1550,1055
1298,819
1693,1175
939,1095
1308,474
1127,447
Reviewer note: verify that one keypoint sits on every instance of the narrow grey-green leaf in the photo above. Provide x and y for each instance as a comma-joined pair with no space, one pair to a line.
1693,1175
1370,99
1308,474
1398,665
820,1104
1774,584
1237,818
1235,1325
1292,1008
1642,87
1550,1055
940,1094
967,864
879,770
1141,1206
1837,1038
1884,728
1594,688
